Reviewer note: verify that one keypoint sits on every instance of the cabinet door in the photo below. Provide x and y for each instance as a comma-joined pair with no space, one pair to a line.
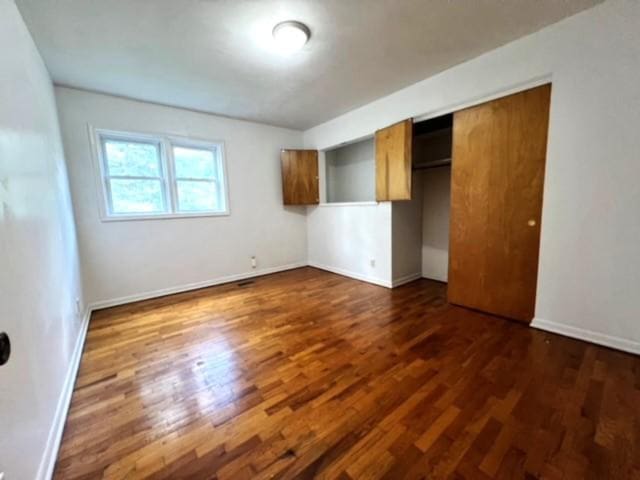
300,177
499,151
393,161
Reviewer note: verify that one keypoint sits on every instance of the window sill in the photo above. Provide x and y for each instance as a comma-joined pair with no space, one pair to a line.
348,204
162,216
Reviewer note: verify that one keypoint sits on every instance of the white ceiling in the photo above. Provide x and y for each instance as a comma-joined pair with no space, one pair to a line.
215,55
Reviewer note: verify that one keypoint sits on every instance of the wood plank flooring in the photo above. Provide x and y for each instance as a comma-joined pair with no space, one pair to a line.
306,374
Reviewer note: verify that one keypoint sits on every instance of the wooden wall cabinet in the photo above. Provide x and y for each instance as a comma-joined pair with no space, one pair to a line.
393,161
300,177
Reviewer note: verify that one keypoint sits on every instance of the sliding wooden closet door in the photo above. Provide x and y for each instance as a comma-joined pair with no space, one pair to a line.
393,161
499,151
300,177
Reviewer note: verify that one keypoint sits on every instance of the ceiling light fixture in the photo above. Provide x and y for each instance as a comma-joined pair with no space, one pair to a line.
290,36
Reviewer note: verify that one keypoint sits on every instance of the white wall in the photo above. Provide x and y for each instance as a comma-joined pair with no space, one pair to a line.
346,238
406,236
589,272
39,272
351,172
436,184
131,259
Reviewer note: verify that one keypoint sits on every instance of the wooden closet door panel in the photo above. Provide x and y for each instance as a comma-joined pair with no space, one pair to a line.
300,177
393,161
499,152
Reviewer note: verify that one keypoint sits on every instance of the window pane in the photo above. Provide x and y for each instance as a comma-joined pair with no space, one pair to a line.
194,163
198,197
136,196
132,159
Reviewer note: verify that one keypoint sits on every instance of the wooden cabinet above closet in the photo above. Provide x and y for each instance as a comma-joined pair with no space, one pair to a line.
393,162
300,177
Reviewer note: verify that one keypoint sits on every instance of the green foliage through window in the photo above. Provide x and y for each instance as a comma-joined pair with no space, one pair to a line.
196,196
132,159
194,163
136,196
141,181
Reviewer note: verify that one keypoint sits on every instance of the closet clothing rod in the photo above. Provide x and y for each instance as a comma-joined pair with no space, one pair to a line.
439,163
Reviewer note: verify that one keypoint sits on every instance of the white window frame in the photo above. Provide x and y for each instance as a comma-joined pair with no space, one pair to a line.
167,167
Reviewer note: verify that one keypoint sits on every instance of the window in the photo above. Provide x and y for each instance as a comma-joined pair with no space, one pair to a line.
146,176
197,179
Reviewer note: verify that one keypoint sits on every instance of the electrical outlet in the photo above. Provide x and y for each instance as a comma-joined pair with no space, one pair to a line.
372,262
254,264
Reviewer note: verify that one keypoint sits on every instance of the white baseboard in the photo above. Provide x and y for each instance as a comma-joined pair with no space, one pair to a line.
396,282
350,274
48,462
192,286
598,338
435,278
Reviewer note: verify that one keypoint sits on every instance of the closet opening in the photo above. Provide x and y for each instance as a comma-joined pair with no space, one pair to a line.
480,217
431,165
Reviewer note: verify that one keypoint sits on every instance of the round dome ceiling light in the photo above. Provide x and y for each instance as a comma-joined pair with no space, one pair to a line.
290,36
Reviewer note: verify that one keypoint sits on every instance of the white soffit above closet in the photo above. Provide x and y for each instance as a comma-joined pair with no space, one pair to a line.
216,56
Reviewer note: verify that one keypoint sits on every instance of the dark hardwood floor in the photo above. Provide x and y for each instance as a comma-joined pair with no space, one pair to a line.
306,374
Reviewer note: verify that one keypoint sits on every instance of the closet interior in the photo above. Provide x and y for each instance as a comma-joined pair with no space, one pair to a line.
431,167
